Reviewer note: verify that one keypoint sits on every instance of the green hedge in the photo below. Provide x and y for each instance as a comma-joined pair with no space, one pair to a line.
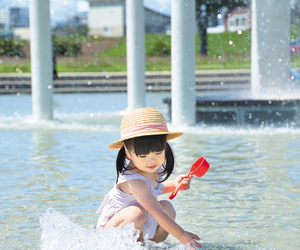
14,47
11,47
158,45
64,47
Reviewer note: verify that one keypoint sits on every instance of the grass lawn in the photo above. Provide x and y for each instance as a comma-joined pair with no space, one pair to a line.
225,51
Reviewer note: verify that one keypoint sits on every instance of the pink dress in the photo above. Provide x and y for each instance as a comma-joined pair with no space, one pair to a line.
116,200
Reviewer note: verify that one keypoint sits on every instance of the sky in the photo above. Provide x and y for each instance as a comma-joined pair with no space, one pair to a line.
61,9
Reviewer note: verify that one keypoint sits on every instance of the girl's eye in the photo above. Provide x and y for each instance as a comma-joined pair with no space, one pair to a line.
142,156
158,153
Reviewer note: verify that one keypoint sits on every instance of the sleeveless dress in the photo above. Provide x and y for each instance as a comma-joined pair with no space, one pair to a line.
116,200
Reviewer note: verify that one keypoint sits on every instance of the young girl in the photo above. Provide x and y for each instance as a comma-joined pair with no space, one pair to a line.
144,163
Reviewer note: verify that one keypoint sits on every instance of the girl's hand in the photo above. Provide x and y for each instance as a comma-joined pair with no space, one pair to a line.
186,182
189,239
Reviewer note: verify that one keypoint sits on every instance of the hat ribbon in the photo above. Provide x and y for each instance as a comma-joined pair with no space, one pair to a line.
137,129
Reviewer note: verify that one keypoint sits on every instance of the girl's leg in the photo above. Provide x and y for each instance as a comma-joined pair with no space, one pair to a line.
135,214
161,234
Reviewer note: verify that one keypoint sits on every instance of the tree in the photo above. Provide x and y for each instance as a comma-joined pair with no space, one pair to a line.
206,8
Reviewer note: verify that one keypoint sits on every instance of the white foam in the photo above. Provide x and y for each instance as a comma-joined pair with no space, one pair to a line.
109,122
234,130
58,232
81,122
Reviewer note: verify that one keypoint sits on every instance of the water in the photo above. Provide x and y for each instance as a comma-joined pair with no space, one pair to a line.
55,174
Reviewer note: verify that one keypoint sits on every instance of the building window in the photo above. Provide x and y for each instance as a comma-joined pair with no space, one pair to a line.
237,22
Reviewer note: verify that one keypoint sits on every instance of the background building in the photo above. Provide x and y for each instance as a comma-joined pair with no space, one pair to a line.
238,19
108,18
12,18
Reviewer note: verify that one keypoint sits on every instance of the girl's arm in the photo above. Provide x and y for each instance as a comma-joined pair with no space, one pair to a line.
170,185
139,189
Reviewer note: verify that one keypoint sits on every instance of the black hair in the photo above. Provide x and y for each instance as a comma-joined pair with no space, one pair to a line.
142,146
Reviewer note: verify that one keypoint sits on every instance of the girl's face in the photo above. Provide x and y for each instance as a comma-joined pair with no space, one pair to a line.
147,163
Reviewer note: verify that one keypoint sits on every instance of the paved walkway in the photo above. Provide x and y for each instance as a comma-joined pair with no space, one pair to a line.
205,80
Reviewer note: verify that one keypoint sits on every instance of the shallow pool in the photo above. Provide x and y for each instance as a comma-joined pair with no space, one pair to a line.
249,199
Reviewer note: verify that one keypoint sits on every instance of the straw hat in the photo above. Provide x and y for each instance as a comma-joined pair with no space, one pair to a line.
143,122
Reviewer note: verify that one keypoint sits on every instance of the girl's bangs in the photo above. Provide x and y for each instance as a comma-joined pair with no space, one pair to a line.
146,144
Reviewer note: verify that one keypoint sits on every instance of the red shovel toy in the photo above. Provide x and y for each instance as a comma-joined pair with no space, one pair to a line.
199,168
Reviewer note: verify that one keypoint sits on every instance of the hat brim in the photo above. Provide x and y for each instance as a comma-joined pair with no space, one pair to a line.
170,135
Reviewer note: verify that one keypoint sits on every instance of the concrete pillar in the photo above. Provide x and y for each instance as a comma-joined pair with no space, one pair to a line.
183,28
270,55
41,59
135,39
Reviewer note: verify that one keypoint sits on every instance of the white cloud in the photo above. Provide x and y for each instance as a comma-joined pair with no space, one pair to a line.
83,6
163,6
14,3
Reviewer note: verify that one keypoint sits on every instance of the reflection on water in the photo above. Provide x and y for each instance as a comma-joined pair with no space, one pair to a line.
249,199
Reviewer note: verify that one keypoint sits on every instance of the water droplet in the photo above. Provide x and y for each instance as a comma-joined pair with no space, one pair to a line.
107,76
149,87
49,87
92,114
89,44
239,32
219,57
230,42
89,83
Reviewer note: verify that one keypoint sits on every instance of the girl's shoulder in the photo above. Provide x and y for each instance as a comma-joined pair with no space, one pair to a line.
131,175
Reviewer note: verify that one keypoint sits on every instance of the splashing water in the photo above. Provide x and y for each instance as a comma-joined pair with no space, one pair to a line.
62,233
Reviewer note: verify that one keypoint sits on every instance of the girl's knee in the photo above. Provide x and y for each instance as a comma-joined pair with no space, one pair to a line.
168,207
137,214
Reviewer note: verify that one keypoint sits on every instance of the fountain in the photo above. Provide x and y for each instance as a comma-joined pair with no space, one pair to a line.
270,101
249,196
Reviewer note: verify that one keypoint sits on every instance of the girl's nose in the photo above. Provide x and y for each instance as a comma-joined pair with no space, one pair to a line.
152,157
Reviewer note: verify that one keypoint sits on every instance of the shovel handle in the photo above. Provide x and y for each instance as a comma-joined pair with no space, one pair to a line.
174,193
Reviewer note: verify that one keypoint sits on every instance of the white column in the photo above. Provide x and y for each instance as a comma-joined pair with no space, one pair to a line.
135,39
270,55
183,28
41,59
